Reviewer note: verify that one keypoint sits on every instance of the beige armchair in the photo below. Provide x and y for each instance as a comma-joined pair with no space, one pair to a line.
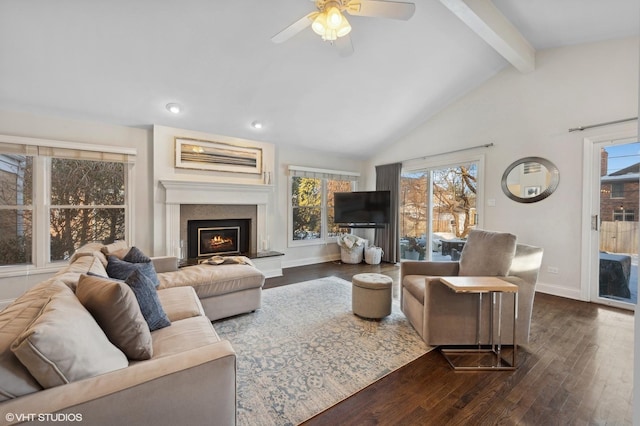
442,317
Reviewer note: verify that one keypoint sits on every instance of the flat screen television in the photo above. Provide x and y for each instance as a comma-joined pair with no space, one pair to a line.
362,207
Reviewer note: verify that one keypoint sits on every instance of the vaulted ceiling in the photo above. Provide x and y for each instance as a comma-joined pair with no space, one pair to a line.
122,61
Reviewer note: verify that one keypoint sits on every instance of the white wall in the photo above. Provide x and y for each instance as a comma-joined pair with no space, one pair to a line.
164,168
277,159
529,115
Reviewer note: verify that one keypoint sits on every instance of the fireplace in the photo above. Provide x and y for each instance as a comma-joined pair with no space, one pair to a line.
218,237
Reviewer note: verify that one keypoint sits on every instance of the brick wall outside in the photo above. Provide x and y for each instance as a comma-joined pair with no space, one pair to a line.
608,205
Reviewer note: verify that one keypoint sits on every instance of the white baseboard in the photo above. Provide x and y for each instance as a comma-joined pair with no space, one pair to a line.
269,266
555,290
310,261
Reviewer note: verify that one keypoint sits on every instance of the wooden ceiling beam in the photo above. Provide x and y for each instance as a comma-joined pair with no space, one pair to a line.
493,27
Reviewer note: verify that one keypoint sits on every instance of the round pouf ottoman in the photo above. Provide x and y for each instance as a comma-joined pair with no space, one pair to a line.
371,295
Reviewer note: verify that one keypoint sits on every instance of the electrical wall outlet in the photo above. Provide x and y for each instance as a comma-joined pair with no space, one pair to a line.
553,269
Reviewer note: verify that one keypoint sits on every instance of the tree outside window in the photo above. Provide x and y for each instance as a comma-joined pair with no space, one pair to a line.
438,200
334,186
454,194
306,201
86,203
312,202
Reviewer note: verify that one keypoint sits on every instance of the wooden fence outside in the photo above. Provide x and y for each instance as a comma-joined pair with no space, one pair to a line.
619,237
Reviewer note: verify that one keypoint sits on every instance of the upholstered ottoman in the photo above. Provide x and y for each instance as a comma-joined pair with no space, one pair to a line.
371,295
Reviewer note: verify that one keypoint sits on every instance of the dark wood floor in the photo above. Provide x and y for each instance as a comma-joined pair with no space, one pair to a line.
576,370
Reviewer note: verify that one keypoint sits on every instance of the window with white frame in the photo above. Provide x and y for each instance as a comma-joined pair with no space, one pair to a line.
311,203
58,196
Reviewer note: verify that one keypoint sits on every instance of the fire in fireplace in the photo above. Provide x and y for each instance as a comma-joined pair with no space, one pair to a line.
222,240
218,237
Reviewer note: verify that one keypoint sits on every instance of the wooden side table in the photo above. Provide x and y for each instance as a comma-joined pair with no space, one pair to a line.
495,287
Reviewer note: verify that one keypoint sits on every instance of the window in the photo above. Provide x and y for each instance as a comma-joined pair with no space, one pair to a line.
58,196
623,215
438,202
617,190
87,204
311,203
16,208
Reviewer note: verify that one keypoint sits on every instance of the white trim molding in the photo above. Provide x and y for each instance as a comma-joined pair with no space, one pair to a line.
179,192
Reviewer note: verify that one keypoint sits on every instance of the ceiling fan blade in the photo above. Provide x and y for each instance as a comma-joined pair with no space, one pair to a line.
381,9
294,28
344,46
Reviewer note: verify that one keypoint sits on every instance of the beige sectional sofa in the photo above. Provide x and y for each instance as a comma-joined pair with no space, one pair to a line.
66,346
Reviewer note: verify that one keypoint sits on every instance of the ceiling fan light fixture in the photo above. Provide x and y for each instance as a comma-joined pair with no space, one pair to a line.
330,35
319,25
344,28
334,17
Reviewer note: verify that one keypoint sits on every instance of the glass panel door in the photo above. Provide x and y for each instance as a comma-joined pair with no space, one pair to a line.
618,222
437,211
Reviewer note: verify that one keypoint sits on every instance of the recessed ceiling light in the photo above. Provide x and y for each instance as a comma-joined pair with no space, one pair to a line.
256,124
174,108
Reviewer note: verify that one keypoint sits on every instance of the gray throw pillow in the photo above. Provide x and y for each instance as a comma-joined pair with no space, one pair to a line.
148,300
115,308
487,253
135,255
121,269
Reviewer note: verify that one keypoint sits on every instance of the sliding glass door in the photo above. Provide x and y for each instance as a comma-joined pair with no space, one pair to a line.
617,223
437,210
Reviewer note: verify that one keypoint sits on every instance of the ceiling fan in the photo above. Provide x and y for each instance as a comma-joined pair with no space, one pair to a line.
330,23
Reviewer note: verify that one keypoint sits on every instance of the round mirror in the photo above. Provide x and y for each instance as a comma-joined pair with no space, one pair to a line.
530,179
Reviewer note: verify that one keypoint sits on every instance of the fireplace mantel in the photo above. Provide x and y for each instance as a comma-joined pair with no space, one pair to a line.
198,192
178,192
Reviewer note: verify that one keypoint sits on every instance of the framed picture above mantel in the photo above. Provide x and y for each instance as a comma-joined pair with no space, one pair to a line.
218,156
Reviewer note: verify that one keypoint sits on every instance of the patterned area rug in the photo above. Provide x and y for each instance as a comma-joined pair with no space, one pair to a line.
305,351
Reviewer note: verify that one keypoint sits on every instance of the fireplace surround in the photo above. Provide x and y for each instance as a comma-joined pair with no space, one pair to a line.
179,192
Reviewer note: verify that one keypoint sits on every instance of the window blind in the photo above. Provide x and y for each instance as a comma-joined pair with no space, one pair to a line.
69,150
311,172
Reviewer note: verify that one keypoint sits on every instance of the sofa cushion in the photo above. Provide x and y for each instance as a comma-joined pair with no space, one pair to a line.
121,269
90,249
65,344
14,319
148,300
184,335
487,253
180,303
115,308
415,285
114,247
84,265
214,280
